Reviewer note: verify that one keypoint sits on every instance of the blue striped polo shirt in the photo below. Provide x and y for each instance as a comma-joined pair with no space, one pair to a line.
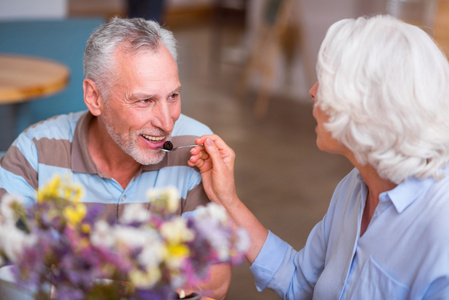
59,146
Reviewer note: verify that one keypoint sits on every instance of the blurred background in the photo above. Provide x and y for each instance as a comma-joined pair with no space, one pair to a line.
246,68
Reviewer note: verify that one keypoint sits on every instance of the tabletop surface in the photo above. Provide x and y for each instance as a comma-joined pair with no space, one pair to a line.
23,78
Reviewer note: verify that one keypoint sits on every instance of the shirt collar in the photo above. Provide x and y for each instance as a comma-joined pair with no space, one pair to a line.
407,192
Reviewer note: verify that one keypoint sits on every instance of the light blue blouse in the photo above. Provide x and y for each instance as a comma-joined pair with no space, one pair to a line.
404,254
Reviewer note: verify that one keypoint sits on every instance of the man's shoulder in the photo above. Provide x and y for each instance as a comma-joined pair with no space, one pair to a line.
57,127
188,126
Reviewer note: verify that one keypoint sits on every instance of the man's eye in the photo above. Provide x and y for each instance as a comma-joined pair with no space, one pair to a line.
174,95
146,100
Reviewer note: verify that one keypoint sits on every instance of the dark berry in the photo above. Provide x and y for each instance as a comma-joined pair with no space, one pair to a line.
168,145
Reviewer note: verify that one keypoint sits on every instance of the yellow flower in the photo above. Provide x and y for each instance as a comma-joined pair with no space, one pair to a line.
50,190
174,255
59,188
85,228
180,250
144,278
74,213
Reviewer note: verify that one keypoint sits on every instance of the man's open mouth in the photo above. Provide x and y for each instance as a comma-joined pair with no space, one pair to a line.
153,139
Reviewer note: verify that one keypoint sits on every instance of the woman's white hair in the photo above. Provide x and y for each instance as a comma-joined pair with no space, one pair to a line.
385,85
134,35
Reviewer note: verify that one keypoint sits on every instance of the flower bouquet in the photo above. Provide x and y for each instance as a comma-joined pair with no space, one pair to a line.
60,249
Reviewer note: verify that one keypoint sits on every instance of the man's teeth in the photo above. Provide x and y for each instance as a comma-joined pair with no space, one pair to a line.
153,139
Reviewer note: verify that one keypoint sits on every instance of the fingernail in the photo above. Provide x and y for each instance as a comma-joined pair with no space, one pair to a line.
208,141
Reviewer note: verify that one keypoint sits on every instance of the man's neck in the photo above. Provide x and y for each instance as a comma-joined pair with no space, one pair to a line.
109,157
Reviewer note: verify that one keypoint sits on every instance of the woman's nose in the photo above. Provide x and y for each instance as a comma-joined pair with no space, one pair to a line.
313,90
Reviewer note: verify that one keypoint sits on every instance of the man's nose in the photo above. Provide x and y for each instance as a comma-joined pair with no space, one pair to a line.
162,117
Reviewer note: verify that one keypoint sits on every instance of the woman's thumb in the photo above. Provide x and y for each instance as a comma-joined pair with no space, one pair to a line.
214,153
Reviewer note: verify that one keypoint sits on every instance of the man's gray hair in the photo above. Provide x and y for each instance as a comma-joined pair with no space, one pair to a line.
134,35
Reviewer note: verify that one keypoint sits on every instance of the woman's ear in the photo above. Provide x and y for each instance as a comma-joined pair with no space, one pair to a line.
92,97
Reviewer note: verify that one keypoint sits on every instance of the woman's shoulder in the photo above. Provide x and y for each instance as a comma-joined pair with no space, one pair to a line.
353,180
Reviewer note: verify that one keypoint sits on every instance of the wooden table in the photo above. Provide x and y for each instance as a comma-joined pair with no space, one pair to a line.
23,78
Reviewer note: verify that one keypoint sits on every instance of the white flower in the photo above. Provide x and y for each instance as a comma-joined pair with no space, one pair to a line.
6,207
213,211
167,197
13,241
217,212
152,254
135,212
243,241
176,231
101,235
221,244
129,236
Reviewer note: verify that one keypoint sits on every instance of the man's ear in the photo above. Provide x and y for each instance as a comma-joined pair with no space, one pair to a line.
92,97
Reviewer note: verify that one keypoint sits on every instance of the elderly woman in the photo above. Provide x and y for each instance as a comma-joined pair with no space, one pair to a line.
382,101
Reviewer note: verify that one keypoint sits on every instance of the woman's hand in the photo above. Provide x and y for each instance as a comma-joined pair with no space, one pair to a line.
216,163
215,160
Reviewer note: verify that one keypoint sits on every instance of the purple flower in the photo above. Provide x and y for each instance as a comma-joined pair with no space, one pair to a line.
155,253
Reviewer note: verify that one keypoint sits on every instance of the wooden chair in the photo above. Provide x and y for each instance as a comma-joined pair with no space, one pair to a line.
267,49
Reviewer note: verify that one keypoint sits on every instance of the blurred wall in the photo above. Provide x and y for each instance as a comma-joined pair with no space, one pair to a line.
310,19
32,9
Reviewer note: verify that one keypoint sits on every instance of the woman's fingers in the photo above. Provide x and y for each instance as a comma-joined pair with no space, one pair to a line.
198,156
225,151
216,163
214,154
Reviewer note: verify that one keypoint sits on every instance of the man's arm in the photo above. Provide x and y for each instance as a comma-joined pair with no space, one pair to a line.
18,175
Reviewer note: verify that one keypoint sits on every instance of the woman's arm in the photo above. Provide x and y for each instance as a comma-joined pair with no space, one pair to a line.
215,160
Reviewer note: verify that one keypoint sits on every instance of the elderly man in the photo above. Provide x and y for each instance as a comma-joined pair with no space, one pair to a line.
132,91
